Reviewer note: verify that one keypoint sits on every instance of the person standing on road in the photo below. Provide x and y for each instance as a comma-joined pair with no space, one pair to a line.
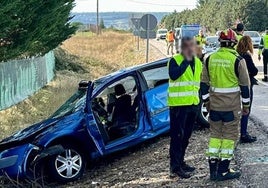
201,39
224,79
239,31
183,99
245,49
263,49
170,42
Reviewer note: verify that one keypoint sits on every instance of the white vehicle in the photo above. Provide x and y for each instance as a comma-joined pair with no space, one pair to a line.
255,37
185,31
161,34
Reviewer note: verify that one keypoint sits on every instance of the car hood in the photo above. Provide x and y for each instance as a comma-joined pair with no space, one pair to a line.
28,134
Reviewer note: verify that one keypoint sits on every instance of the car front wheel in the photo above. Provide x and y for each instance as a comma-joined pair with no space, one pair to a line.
68,166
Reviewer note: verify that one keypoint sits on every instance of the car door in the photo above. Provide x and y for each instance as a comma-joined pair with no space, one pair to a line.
156,96
91,123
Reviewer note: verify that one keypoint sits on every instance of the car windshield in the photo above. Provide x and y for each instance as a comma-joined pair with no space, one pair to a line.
189,33
74,103
252,33
213,41
162,31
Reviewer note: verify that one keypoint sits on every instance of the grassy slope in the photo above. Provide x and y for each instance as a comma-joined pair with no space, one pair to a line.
98,55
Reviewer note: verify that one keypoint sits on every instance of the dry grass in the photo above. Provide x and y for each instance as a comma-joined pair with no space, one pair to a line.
98,55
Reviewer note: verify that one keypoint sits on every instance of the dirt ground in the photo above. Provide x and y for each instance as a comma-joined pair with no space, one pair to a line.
147,165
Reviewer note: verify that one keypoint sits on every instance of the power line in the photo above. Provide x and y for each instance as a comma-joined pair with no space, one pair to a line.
159,4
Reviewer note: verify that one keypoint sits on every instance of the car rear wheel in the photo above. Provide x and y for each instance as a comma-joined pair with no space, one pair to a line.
69,165
203,116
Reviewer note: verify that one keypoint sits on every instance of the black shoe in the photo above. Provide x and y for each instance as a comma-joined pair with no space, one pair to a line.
213,167
248,139
224,173
180,173
231,174
187,168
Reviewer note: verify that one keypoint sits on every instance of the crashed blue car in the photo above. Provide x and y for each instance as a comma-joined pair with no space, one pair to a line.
110,114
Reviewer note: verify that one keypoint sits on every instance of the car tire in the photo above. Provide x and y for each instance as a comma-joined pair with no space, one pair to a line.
69,165
203,115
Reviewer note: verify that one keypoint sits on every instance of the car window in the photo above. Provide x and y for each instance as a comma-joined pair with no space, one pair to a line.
156,77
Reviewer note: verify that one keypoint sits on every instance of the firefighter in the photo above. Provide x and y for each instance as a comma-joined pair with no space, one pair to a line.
170,42
183,99
201,39
263,49
224,80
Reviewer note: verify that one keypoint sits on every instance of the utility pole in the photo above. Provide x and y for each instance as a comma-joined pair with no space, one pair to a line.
97,25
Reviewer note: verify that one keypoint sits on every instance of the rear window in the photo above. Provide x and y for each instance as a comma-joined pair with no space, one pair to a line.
156,76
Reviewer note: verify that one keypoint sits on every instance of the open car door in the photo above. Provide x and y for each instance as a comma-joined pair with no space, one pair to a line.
92,127
156,100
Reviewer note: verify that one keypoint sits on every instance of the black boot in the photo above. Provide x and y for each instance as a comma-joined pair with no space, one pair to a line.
180,173
224,173
248,139
213,167
187,168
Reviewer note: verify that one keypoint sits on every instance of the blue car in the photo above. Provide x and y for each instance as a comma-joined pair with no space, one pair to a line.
110,114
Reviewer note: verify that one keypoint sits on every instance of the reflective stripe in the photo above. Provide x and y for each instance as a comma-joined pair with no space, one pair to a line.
245,100
227,151
178,84
213,150
225,90
183,94
204,97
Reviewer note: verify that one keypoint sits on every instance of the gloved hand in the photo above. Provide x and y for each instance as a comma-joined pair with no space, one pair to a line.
245,110
207,105
259,57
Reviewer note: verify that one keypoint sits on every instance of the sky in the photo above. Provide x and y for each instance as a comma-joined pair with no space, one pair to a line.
133,5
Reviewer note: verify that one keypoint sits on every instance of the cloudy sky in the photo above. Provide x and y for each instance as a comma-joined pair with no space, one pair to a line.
133,5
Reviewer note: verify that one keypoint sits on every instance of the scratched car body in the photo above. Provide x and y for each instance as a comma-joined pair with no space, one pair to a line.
80,131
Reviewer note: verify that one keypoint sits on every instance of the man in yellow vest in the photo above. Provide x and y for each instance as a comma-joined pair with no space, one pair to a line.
183,99
239,31
201,39
170,42
263,49
224,80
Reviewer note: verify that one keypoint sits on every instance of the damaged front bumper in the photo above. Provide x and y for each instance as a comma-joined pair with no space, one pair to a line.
16,162
13,160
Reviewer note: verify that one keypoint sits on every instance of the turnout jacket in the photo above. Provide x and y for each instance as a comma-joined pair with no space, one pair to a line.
225,79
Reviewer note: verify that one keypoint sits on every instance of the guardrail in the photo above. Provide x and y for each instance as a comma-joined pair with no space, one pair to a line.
20,79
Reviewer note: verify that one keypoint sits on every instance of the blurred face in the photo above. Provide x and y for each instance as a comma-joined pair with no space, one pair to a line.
188,49
200,32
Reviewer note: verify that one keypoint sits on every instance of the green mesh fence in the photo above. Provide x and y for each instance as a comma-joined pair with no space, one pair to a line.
19,79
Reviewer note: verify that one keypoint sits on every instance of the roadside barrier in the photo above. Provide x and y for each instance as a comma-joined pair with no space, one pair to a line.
20,79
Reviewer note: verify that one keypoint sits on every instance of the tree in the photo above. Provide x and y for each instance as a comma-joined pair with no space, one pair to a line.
216,14
102,26
33,27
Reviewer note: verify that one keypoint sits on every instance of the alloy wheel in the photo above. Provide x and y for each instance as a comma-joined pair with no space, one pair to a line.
68,164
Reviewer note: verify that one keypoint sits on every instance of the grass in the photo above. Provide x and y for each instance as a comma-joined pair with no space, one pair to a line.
84,56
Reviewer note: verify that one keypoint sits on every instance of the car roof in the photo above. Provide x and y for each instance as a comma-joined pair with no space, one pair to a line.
131,69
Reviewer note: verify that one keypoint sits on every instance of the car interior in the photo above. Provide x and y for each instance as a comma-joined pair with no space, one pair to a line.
116,109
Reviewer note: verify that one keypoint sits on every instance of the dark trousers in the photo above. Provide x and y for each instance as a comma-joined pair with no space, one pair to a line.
182,121
244,118
265,61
